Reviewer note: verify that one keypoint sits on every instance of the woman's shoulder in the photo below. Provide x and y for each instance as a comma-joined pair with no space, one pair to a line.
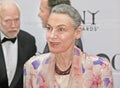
38,58
96,60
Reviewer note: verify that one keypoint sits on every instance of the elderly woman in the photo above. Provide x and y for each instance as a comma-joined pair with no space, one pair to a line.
66,66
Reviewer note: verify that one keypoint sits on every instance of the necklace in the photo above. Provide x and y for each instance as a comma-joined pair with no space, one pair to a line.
59,72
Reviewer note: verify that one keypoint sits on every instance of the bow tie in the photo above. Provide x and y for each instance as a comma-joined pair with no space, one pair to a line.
9,39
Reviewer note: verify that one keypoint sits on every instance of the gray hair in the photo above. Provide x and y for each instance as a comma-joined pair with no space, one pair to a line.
70,11
53,3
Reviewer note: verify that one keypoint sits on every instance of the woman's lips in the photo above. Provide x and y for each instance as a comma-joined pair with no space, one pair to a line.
53,44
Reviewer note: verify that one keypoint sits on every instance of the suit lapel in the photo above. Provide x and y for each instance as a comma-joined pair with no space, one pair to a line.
3,73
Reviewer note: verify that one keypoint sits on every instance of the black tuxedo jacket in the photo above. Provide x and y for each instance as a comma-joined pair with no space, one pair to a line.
26,49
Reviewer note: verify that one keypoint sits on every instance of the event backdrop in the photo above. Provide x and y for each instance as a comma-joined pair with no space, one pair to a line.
101,28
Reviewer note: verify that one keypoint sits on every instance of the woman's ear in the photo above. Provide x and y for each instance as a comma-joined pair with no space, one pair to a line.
78,32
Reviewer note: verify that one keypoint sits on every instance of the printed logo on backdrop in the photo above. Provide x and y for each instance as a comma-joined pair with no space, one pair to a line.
89,20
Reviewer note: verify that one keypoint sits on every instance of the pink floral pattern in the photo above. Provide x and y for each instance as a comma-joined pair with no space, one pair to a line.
87,72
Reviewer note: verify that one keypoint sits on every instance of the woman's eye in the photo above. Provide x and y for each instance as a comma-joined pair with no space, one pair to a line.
61,29
48,28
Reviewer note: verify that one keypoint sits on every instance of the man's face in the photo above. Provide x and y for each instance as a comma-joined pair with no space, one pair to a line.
10,21
44,12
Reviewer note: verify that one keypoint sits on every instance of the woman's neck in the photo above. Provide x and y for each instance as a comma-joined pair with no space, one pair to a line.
63,61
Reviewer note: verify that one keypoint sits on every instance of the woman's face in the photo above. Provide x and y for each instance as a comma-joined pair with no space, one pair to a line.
61,34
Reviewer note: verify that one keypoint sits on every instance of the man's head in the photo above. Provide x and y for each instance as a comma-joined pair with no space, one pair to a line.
9,18
46,6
